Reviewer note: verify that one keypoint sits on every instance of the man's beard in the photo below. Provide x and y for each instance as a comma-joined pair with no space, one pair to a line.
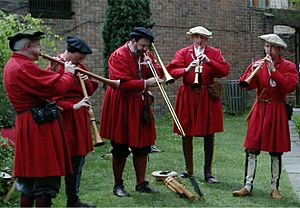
139,52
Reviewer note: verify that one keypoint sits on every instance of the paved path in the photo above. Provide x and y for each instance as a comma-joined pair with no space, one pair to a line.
291,160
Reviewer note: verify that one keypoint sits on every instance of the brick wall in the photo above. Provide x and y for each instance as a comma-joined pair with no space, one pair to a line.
234,25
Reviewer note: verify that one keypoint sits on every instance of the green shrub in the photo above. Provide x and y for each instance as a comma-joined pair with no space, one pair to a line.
10,24
296,119
121,16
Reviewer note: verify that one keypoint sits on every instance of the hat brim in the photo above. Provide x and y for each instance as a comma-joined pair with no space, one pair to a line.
275,44
207,36
282,45
13,39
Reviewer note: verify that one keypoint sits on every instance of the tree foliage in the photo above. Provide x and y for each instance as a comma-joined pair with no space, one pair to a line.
121,16
10,24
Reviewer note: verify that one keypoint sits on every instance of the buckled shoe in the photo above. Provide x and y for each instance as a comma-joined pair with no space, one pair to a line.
120,191
211,179
275,194
185,174
145,188
242,192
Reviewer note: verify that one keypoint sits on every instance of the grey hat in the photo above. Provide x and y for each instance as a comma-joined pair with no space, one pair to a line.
273,39
199,30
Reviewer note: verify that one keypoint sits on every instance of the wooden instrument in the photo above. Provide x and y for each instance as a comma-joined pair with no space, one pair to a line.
246,82
198,72
112,83
97,139
176,187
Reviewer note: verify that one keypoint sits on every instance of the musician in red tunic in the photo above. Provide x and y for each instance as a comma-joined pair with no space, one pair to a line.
41,150
199,113
268,128
76,117
126,117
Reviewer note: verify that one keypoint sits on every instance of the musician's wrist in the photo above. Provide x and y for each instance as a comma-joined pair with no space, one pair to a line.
75,107
271,69
187,69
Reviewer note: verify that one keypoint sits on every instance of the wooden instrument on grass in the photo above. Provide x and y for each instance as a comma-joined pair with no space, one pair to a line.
178,188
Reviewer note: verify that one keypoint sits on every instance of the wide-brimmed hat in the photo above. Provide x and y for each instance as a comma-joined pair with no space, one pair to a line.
199,30
273,39
27,33
142,32
162,175
76,44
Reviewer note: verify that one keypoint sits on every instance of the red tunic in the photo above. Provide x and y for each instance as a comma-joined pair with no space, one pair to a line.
77,122
41,150
198,113
268,128
121,117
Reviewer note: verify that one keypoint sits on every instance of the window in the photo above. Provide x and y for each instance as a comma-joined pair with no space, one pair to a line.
260,3
55,9
275,4
284,30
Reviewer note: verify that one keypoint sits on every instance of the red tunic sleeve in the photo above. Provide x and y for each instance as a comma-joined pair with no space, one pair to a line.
286,80
177,66
252,84
43,83
123,59
218,64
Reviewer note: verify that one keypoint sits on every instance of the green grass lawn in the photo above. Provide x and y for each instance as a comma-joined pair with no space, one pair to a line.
97,178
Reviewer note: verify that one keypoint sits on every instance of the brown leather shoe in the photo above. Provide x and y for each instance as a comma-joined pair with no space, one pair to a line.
275,194
242,192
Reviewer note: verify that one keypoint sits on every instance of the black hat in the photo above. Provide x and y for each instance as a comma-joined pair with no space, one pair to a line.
77,45
27,33
141,32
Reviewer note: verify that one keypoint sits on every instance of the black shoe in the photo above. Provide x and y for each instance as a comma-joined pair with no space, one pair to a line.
211,179
154,149
145,188
184,174
120,191
80,204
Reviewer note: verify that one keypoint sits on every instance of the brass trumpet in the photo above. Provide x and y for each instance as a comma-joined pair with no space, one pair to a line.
198,72
112,83
164,94
247,81
168,78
